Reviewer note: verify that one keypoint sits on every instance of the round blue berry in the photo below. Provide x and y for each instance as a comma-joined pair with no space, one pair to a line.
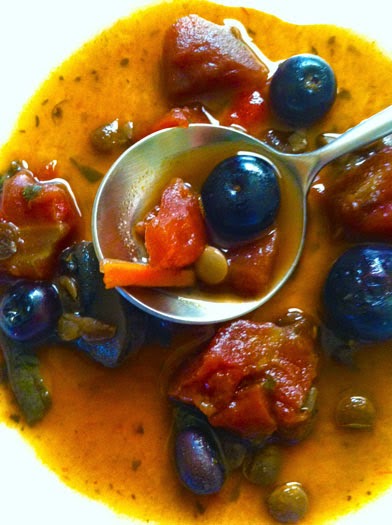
241,198
358,294
302,90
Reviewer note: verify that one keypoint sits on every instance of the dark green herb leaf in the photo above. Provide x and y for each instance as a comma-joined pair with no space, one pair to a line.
89,173
31,192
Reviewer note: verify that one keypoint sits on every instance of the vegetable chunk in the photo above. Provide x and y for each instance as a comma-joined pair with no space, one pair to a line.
200,56
251,266
38,218
253,378
175,237
359,197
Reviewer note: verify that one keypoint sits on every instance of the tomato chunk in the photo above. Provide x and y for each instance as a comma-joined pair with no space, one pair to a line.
359,197
200,56
252,379
248,110
175,236
251,265
43,215
26,200
181,117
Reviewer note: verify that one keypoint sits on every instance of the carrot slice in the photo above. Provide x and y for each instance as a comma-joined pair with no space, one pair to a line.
126,273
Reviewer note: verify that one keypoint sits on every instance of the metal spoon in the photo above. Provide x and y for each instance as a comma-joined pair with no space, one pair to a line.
128,190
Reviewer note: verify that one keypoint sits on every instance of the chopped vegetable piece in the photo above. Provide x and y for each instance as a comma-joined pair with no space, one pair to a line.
39,218
253,378
25,201
25,379
200,56
251,265
37,249
181,117
122,326
248,110
127,273
359,197
176,236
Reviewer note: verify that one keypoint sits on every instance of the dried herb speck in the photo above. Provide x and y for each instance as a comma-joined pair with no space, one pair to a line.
135,464
57,112
344,94
200,508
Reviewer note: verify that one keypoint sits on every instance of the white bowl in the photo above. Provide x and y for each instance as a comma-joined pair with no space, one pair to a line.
35,36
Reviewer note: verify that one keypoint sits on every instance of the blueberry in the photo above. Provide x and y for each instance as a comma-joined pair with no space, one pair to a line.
29,311
358,293
241,198
302,90
198,461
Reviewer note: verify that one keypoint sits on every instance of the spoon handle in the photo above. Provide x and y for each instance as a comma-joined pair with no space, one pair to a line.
368,131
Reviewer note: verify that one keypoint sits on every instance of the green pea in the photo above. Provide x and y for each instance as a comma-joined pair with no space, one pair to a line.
263,467
288,503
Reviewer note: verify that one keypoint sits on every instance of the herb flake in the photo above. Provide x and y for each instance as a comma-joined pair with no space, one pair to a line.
31,192
89,173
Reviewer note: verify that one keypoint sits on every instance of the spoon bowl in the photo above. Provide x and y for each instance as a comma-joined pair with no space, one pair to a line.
135,181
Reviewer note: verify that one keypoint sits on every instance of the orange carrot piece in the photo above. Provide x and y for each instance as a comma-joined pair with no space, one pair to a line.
126,273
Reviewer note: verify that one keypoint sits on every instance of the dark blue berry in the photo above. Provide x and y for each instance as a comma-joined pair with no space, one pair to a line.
358,294
29,311
302,90
241,198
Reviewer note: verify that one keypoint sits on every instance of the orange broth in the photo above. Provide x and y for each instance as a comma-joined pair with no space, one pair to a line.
108,432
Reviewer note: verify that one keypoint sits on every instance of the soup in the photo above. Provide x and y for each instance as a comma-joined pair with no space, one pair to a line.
113,426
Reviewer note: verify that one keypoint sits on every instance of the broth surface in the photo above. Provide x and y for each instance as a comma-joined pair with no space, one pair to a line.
113,426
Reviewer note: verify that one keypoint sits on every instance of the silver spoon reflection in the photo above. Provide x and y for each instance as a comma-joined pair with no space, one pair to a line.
133,182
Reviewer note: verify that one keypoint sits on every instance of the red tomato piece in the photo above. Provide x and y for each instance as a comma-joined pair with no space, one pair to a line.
251,265
181,117
26,200
200,56
360,197
175,236
45,214
252,379
48,171
248,110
